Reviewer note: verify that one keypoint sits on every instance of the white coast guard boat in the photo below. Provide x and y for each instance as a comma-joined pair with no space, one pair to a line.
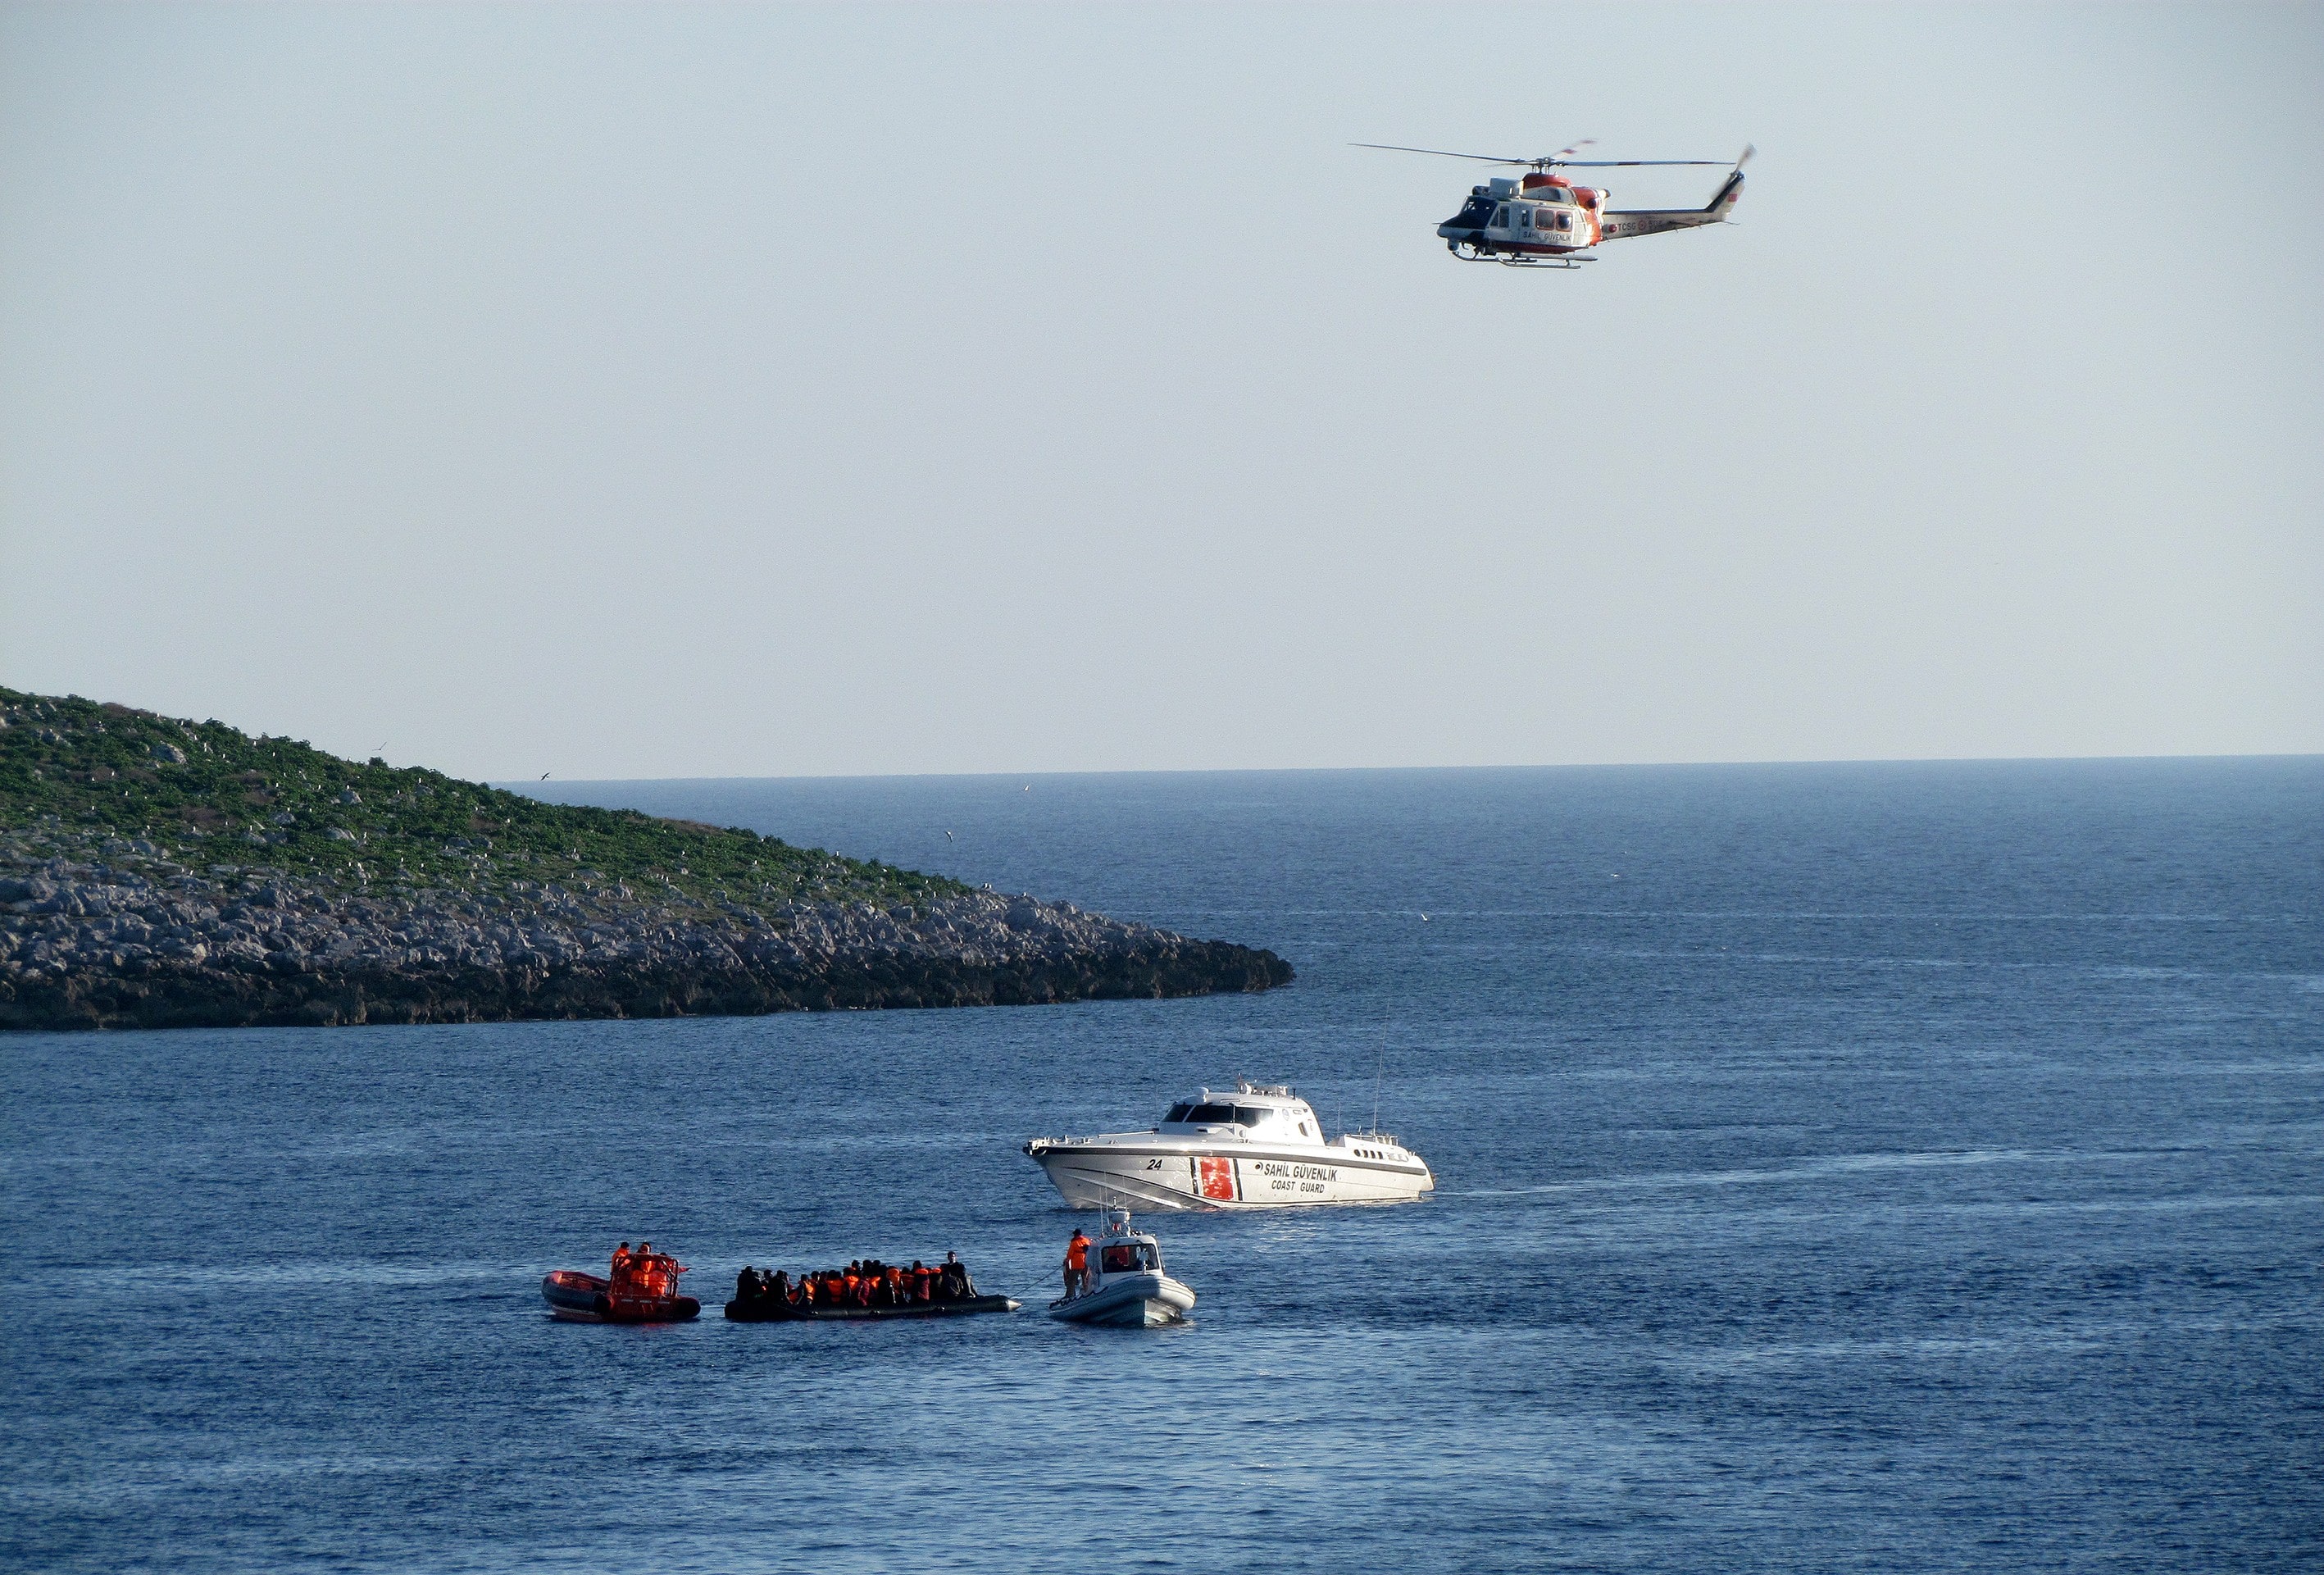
1127,1287
1260,1146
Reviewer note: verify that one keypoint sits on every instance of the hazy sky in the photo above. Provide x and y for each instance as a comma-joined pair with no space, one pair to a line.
736,390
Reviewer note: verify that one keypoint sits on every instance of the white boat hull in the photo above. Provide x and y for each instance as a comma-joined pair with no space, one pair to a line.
1101,1175
1135,1301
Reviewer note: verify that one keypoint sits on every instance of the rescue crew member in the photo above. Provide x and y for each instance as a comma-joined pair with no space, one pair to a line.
1076,1263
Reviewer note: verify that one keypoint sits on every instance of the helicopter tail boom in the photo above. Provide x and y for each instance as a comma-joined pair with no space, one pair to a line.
1620,223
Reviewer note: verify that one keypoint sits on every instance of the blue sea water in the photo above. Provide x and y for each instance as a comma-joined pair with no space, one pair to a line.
1897,1168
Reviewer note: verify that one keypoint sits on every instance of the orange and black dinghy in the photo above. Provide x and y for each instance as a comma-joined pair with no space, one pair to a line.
641,1289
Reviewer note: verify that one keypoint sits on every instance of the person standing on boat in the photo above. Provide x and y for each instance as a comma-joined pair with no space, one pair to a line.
1076,1263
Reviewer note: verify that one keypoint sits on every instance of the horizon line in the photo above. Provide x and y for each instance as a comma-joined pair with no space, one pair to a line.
515,782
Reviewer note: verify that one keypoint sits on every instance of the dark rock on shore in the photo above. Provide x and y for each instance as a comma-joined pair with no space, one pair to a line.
129,939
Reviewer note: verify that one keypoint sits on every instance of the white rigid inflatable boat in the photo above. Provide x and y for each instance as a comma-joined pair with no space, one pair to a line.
1127,1287
1260,1146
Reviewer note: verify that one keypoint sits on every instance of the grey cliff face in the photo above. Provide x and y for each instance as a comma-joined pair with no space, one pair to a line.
112,933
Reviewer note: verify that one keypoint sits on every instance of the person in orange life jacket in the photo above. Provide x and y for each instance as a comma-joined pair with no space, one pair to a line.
1076,1263
620,1264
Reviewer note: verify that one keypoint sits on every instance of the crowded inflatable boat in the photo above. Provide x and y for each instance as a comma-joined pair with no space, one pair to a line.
865,1288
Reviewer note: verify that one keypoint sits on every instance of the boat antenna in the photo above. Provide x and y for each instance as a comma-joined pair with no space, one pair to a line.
1379,1074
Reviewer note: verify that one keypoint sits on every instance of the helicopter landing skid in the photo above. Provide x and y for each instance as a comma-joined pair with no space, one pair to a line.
1469,251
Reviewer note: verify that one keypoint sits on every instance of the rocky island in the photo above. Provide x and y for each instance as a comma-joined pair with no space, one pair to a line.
163,873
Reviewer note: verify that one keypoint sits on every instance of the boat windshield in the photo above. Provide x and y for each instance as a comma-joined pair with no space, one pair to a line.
1127,1258
1219,1115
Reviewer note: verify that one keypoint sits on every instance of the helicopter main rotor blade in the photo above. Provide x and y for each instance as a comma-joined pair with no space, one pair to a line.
1632,163
1440,152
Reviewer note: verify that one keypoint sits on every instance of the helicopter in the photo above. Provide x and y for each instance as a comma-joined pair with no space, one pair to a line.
1541,219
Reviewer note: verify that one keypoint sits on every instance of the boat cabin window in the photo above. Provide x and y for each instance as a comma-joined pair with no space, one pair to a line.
1127,1258
1179,1112
1251,1115
1221,1113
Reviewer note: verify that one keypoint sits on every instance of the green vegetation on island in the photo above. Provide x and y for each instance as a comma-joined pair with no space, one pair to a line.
161,873
207,794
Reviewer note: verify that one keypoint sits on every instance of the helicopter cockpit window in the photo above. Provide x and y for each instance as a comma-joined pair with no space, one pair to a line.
1501,217
1475,214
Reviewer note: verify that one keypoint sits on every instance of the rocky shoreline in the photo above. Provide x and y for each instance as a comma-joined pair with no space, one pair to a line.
105,932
